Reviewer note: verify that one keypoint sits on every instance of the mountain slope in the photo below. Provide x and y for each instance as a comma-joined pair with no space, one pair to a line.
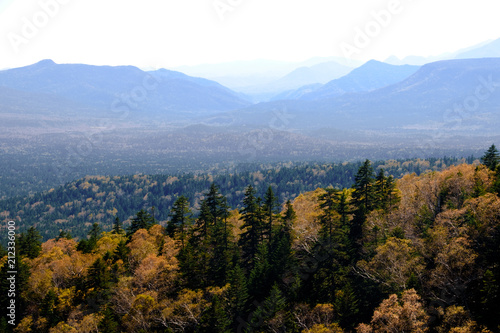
491,49
372,75
426,100
105,87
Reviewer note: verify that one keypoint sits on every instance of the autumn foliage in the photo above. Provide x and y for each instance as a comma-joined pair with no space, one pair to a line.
417,254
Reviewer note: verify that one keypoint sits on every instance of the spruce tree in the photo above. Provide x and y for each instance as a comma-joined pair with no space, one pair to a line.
30,243
118,226
142,220
491,158
271,210
181,219
252,227
364,200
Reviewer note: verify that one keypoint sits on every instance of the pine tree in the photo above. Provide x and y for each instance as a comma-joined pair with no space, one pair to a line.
491,158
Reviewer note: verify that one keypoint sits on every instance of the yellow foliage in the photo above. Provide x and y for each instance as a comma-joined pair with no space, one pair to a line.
320,328
25,325
108,242
306,227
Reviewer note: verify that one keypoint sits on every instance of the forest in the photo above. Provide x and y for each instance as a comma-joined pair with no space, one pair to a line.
75,206
417,253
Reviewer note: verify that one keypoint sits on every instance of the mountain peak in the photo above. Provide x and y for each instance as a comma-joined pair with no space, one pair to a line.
45,63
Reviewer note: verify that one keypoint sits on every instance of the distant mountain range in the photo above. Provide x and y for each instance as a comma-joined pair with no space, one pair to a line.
370,76
461,95
95,90
452,95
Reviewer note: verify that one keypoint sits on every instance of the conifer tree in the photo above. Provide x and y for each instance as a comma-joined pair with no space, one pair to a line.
30,243
364,200
271,210
88,245
252,227
491,158
118,226
181,219
108,323
142,220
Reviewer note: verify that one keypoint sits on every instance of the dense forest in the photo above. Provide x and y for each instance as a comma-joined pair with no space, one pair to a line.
415,254
75,206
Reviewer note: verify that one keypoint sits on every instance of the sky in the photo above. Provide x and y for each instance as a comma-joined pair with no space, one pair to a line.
171,33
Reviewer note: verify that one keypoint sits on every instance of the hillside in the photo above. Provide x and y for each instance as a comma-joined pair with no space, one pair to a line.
77,204
417,255
370,76
98,90
439,95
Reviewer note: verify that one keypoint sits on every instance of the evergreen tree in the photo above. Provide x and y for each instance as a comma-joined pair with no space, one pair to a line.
491,158
108,323
252,227
30,243
21,285
216,319
273,304
290,216
181,219
88,245
64,234
364,200
238,292
142,220
385,192
271,211
98,283
118,226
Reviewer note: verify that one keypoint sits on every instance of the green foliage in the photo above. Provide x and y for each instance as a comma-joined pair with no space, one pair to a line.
181,219
491,158
142,220
30,243
253,225
88,245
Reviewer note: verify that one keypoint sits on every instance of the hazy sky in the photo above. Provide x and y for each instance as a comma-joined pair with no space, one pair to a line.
169,33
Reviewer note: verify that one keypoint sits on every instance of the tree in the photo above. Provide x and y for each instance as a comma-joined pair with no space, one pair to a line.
88,245
385,191
252,227
271,210
142,220
118,226
364,200
181,219
491,158
30,244
398,315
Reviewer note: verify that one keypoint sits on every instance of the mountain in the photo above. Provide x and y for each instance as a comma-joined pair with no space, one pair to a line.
492,49
263,79
451,96
320,73
297,93
372,75
99,89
